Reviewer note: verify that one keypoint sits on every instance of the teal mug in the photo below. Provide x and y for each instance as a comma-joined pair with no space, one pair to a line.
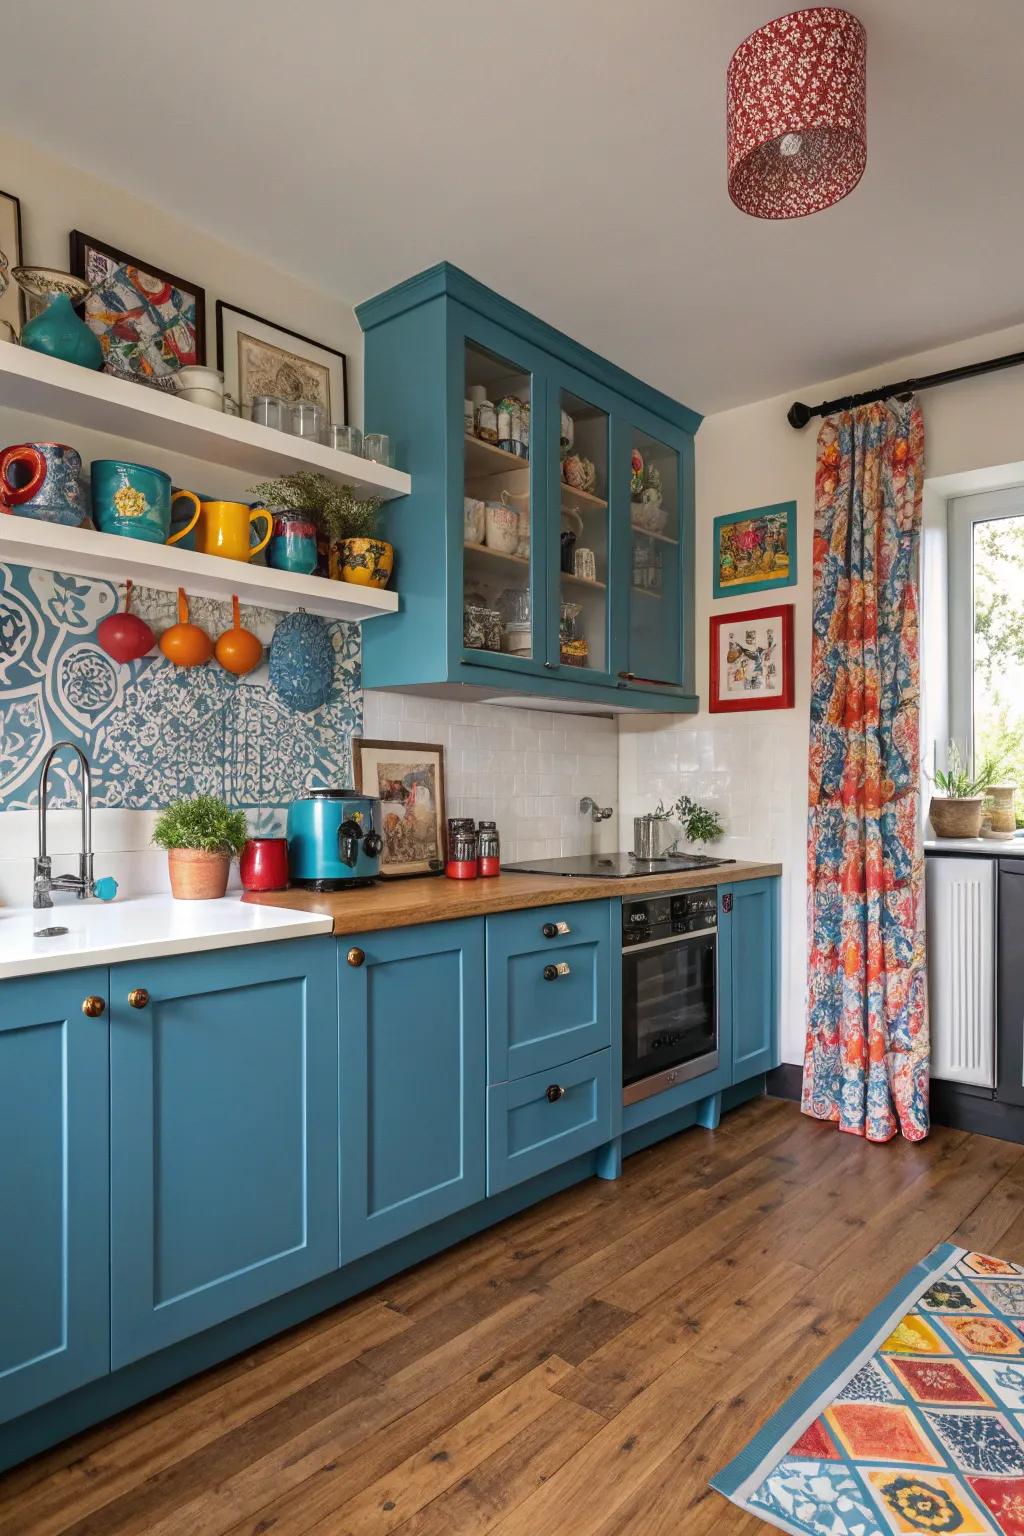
134,500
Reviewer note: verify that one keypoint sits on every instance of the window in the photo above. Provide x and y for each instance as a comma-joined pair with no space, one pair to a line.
986,629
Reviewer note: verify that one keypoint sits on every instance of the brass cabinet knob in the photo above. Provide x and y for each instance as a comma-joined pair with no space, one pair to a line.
138,997
92,1007
355,957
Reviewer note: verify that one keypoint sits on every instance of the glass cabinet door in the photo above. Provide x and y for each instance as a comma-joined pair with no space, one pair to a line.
584,545
500,624
654,650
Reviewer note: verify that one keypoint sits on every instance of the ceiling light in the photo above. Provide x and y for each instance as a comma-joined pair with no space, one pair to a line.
797,114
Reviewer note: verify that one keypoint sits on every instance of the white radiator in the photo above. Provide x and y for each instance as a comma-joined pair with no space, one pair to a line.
961,937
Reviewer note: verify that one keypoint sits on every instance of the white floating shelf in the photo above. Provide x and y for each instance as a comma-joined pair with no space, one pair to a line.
112,557
31,381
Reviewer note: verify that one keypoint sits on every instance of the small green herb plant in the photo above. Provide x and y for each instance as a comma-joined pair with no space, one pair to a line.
700,824
335,508
203,823
958,782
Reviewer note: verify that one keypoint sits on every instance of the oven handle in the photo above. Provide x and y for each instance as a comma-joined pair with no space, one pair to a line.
675,938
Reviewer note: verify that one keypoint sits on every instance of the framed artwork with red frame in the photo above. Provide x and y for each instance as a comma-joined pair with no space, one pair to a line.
752,659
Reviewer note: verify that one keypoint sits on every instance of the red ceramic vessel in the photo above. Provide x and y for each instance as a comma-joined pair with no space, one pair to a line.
264,864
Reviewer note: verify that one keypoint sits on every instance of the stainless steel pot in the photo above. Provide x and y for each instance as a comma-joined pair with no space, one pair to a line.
653,838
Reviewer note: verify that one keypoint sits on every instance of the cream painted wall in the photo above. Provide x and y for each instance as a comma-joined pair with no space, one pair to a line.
754,767
57,197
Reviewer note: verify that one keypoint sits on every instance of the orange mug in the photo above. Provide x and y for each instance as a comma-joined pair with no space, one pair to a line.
223,529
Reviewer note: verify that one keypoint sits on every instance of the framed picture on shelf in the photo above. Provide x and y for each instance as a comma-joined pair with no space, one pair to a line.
408,778
12,300
149,322
752,659
755,550
260,358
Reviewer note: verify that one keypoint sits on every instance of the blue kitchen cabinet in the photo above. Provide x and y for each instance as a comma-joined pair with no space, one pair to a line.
619,637
539,1122
54,1295
749,912
549,988
412,1072
223,1136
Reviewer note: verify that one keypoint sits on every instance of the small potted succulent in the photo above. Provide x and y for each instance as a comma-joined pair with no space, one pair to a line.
346,525
202,836
958,808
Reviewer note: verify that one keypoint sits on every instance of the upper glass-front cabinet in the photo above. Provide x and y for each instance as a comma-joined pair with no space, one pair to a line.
546,548
654,651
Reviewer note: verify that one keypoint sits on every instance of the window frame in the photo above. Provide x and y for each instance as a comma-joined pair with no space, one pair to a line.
963,514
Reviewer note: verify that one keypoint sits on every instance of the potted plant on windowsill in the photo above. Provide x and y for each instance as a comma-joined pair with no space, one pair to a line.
346,525
958,808
201,836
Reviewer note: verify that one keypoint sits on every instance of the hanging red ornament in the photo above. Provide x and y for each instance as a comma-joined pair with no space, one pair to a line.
797,114
125,636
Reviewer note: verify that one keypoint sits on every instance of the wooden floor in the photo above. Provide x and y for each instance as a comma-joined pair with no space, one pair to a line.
580,1370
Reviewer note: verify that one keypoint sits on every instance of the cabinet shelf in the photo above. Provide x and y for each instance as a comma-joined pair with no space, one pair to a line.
485,461
47,386
495,554
112,557
662,538
647,592
584,498
584,581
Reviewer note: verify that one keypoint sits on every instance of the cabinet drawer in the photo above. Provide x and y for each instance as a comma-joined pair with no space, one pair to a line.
529,1132
548,987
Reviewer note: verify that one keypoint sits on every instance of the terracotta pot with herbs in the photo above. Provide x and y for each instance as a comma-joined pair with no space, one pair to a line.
346,524
201,836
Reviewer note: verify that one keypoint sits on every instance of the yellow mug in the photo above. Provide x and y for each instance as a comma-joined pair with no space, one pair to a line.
223,529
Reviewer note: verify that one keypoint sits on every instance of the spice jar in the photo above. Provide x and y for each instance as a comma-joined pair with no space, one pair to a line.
486,422
462,851
488,849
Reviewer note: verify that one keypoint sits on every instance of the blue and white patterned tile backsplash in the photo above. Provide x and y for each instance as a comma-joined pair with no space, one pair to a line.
151,730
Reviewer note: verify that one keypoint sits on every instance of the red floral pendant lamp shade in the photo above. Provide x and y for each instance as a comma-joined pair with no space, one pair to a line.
797,114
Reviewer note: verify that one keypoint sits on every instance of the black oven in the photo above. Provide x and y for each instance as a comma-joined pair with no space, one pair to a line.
669,1006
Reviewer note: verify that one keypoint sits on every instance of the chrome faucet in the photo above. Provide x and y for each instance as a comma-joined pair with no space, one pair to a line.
597,812
82,884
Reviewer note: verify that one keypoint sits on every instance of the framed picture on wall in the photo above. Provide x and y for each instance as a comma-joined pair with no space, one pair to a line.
260,358
149,322
751,656
12,300
408,778
755,550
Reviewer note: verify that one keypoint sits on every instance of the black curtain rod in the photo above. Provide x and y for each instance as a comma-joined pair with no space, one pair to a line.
799,414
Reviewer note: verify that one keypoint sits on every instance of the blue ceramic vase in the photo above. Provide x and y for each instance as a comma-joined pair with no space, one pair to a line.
59,332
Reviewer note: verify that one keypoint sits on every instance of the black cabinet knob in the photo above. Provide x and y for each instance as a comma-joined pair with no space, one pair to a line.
549,931
555,1092
550,973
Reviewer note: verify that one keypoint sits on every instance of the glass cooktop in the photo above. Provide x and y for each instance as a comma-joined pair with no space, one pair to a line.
616,866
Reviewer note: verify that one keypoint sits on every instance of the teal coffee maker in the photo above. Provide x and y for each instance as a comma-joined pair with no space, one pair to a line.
334,839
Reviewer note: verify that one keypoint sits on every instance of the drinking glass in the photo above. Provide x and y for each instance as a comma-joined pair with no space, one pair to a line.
377,446
307,419
268,411
344,439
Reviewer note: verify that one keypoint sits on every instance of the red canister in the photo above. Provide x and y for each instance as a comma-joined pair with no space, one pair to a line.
461,863
264,864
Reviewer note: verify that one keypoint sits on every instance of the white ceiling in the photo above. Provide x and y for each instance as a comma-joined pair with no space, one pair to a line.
570,153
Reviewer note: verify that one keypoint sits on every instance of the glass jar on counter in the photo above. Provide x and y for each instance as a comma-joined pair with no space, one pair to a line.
488,851
462,852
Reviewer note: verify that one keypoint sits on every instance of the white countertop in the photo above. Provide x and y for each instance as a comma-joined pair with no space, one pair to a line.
105,933
985,847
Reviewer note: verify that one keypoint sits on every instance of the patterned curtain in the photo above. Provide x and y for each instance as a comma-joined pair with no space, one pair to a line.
866,1060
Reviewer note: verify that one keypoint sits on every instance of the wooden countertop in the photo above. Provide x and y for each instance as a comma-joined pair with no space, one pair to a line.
402,903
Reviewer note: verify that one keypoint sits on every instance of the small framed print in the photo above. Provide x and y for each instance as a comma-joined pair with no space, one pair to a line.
752,660
408,779
755,550
260,358
12,300
149,322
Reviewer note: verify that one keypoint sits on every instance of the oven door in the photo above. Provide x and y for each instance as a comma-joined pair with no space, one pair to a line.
669,1013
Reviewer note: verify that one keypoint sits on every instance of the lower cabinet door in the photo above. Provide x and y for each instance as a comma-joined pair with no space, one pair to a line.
224,1122
542,1121
54,1283
412,1029
755,977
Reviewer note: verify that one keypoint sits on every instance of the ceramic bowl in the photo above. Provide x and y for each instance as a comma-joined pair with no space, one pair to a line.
502,528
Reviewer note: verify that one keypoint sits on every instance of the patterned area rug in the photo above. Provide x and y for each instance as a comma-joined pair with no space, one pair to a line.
916,1422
